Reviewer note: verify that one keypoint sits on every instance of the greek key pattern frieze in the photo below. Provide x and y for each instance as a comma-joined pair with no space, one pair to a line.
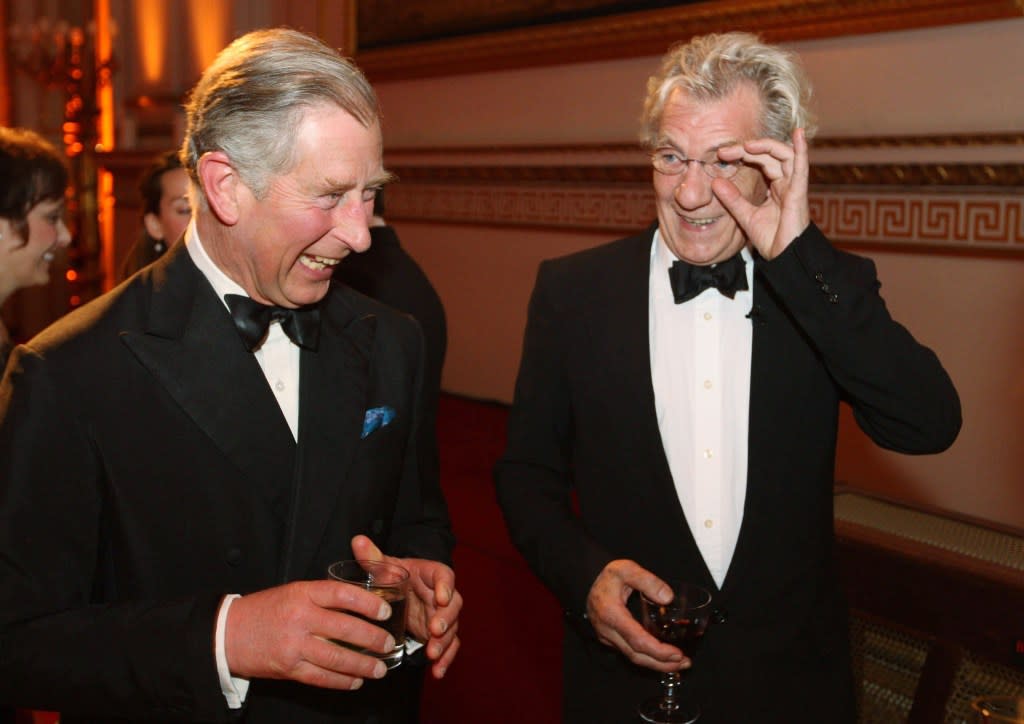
980,221
988,222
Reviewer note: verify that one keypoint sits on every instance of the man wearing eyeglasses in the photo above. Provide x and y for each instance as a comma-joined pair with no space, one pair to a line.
676,409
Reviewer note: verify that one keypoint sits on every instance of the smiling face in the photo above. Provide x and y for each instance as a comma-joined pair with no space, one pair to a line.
26,262
284,247
693,223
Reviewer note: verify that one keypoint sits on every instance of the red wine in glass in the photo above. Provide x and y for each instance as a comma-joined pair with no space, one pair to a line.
682,623
684,632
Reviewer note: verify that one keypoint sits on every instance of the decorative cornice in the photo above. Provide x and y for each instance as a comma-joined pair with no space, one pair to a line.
624,163
945,140
902,175
930,175
949,140
653,31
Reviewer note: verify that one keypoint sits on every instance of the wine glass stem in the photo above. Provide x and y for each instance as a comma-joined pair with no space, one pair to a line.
671,681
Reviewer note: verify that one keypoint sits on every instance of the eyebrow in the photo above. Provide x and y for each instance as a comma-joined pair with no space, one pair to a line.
384,178
665,142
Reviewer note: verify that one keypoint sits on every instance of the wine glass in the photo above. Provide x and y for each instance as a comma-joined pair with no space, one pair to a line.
681,623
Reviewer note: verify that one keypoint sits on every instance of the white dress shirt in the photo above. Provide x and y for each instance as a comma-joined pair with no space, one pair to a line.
278,357
700,367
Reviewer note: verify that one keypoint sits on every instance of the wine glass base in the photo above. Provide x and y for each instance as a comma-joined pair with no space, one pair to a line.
662,711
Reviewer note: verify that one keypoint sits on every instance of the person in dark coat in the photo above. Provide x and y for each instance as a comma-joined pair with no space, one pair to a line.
677,405
182,458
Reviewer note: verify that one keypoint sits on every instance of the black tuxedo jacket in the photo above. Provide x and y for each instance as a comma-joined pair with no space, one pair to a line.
584,425
146,470
387,273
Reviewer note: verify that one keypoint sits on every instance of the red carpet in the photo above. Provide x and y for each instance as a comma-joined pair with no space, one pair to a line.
508,670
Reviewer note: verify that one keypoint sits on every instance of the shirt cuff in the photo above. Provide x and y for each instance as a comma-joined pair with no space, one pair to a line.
233,688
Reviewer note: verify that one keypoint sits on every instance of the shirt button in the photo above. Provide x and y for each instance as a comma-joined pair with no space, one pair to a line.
707,453
707,315
707,384
279,386
709,523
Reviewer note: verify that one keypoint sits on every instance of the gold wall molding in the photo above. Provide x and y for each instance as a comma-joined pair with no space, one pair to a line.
651,32
975,206
929,175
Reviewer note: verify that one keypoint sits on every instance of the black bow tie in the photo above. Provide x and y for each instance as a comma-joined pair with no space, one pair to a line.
688,280
252,319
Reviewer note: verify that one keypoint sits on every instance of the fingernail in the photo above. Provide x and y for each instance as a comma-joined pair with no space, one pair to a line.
390,642
379,670
356,684
441,672
385,611
444,625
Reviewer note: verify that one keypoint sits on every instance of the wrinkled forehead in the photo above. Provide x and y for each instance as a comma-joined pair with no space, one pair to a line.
740,109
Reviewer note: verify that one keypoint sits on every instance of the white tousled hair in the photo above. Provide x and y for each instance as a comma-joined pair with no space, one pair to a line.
710,67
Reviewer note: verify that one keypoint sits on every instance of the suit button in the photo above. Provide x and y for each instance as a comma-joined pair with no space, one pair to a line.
234,556
719,615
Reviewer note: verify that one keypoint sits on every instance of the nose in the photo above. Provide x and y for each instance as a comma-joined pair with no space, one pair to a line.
63,234
351,224
694,188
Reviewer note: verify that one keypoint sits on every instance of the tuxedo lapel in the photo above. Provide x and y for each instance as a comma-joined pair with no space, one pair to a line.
628,327
191,348
769,364
334,393
628,324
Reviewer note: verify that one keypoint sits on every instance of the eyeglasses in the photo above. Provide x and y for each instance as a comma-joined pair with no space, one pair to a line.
669,162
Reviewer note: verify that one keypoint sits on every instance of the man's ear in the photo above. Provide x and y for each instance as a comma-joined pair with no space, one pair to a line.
222,185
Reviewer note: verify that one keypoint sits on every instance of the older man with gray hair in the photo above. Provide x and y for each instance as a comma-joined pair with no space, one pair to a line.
181,459
676,411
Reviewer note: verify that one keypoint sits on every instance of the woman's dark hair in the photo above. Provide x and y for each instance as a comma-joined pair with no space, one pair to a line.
31,170
150,187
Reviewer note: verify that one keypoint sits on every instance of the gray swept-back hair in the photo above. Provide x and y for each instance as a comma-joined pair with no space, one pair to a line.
251,99
709,67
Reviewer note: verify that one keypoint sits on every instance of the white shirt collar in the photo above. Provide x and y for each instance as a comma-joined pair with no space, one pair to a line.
221,283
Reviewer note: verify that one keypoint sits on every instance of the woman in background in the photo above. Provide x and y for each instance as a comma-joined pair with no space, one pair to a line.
165,211
33,180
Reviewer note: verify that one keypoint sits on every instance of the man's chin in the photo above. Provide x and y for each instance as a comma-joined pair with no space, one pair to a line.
309,293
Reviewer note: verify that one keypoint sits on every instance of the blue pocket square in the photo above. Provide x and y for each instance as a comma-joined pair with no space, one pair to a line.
377,417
